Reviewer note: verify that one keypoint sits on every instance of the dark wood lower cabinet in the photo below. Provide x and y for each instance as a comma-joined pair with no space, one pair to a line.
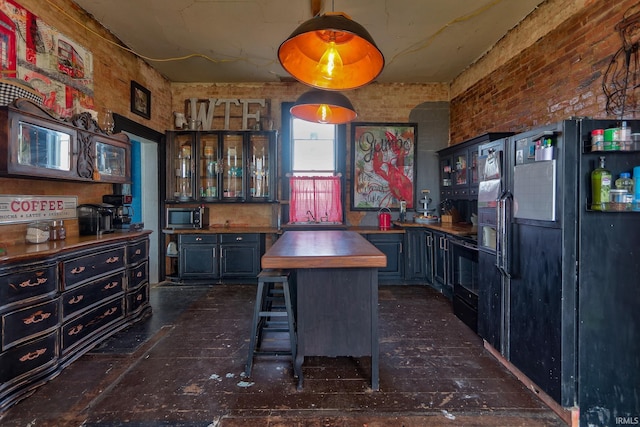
204,257
392,246
57,305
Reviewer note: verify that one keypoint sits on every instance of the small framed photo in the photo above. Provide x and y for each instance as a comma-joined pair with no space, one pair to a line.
140,100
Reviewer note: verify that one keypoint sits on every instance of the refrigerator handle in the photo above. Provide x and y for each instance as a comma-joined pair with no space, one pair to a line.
503,238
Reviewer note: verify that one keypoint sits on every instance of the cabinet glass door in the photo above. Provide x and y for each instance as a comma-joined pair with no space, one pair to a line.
259,166
473,167
111,160
184,167
445,172
43,148
233,157
209,167
461,168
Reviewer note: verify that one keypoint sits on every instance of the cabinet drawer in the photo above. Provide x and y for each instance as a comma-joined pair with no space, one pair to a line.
77,270
89,294
137,299
29,357
28,282
240,238
137,252
20,325
91,323
138,275
206,239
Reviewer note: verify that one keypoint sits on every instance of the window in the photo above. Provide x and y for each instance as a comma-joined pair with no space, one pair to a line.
314,162
313,149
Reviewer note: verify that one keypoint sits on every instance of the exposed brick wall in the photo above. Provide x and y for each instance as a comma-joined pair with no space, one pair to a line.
113,71
558,77
374,103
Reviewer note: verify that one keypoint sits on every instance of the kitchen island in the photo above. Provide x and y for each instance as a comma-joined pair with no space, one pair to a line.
336,293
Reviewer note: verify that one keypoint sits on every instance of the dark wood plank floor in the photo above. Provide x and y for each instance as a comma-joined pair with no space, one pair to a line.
183,367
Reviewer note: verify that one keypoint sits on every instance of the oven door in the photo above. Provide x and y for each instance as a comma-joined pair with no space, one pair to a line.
464,274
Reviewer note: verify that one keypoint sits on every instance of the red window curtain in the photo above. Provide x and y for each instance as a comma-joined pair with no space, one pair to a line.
315,196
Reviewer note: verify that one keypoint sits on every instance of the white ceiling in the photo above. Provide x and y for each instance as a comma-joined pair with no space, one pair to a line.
422,41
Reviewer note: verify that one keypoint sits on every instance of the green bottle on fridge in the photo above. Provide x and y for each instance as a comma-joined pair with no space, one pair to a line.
600,187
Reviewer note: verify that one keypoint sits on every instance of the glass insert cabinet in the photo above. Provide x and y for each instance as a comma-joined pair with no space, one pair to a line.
35,144
221,166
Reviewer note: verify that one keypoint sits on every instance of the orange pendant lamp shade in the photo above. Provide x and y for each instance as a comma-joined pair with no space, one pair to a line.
331,52
321,106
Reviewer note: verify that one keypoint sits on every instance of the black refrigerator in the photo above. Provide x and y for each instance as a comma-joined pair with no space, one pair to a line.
560,297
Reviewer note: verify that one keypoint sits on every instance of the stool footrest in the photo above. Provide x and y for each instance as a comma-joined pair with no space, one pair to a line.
273,301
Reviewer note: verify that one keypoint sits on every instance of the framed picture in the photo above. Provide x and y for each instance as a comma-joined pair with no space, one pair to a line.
384,167
140,100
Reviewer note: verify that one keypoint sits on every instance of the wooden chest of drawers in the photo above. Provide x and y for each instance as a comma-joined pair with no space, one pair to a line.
58,304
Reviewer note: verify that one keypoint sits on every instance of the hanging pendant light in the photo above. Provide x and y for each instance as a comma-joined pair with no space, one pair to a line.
321,106
331,52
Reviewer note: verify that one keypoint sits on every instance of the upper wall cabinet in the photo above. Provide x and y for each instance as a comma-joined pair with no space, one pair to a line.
221,166
459,175
35,144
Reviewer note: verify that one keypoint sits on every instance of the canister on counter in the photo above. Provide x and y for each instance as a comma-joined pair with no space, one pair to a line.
37,232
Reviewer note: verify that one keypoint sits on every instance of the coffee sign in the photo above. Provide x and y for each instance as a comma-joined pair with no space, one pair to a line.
15,208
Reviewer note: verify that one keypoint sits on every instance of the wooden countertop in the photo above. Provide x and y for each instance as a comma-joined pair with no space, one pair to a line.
26,251
456,229
221,229
322,249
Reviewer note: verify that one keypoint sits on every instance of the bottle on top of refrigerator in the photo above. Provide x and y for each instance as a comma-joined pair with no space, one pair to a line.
600,187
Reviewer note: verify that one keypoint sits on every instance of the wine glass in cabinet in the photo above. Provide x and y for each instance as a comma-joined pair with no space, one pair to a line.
233,176
260,166
210,167
182,167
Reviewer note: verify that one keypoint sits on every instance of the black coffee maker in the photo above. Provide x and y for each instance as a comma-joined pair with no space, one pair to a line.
123,212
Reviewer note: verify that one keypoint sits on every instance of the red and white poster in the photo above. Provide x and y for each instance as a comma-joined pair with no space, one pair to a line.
60,69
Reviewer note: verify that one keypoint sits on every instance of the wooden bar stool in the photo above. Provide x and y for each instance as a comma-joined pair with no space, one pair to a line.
273,312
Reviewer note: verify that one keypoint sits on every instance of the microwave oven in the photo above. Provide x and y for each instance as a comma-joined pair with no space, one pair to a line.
187,217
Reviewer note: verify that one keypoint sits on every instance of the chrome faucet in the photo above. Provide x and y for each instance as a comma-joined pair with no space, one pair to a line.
310,216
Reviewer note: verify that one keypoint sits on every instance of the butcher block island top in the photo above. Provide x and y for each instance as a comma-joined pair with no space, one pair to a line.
322,249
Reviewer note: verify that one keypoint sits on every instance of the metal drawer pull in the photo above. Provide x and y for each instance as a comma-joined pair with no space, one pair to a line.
198,239
28,283
36,317
33,355
76,299
78,270
238,239
139,297
111,285
75,330
138,252
113,259
139,274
